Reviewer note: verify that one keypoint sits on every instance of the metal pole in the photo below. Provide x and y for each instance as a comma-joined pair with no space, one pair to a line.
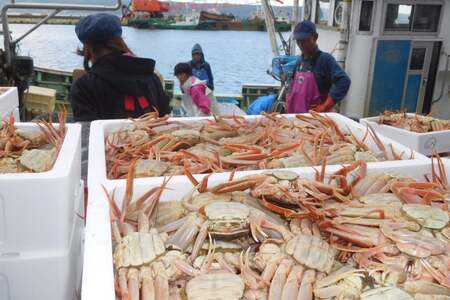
36,26
270,25
56,7
294,21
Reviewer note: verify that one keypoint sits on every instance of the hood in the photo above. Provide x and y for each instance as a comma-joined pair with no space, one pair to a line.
125,73
198,48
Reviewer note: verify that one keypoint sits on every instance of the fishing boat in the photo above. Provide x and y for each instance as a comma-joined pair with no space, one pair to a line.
152,14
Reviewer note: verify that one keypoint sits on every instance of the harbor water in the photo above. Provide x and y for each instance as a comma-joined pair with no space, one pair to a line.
236,57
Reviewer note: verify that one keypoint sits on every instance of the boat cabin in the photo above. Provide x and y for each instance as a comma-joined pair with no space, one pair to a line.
395,51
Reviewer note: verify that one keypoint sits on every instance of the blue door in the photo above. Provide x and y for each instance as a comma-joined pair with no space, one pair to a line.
391,67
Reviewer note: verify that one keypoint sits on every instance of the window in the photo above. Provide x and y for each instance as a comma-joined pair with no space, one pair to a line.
412,18
417,58
426,18
323,9
398,17
365,17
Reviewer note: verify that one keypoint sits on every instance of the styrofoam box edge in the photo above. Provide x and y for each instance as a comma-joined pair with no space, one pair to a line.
423,143
97,163
66,156
9,100
98,273
46,199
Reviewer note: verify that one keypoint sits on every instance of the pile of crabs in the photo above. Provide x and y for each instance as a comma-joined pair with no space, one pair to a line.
164,147
414,123
30,149
351,235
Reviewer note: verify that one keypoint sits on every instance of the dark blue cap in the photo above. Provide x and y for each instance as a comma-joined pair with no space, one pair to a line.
98,28
304,30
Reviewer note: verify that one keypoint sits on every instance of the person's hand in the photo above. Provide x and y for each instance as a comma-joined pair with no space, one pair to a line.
326,106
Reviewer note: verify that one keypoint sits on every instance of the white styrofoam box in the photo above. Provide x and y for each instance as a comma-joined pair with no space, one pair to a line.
52,275
37,210
9,101
98,272
99,130
16,114
423,143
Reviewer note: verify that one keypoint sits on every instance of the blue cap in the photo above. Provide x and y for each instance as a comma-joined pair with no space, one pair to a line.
304,30
98,28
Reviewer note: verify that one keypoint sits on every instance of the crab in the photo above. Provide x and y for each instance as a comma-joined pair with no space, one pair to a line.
345,283
223,220
38,160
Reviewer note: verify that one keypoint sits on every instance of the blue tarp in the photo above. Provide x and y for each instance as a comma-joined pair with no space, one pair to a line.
261,104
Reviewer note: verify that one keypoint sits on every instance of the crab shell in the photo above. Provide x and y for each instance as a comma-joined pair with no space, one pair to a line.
227,219
221,285
428,216
8,165
39,160
138,248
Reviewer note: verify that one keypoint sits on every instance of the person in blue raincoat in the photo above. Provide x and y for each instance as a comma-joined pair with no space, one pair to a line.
200,68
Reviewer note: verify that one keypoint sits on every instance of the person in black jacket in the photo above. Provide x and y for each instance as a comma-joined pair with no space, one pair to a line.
118,85
200,68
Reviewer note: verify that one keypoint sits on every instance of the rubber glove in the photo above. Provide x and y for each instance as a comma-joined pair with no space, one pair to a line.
325,106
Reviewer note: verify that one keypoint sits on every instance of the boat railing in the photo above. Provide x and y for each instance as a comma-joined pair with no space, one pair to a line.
55,9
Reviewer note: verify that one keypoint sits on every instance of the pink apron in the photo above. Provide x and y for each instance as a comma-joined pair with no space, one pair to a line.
304,93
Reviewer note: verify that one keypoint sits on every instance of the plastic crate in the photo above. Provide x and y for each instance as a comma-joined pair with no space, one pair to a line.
39,100
38,210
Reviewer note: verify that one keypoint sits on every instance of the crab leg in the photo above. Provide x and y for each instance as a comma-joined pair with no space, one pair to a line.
185,234
128,192
250,277
161,282
271,268
175,225
123,285
201,237
133,283
305,291
148,286
290,289
279,279
359,235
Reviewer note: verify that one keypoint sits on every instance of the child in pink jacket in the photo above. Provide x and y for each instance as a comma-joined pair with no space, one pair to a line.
198,100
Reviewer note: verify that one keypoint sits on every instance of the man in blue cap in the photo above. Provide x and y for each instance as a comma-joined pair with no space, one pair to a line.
117,84
319,82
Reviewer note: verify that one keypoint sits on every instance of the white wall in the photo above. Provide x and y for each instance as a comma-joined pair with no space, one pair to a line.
360,63
442,108
358,67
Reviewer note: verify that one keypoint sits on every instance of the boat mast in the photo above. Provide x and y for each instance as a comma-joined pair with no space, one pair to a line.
294,21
